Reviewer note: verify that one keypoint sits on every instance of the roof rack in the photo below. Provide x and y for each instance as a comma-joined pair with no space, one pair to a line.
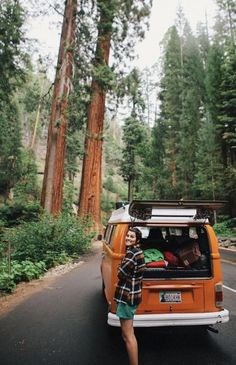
146,209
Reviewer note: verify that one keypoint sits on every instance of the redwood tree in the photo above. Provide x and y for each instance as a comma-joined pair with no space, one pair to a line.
91,174
116,19
51,198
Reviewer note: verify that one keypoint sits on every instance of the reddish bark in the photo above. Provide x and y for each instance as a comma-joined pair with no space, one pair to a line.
52,191
91,181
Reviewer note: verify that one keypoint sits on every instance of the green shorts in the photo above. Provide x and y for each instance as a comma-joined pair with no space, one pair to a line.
126,311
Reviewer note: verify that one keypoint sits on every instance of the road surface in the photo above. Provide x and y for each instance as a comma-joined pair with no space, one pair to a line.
65,324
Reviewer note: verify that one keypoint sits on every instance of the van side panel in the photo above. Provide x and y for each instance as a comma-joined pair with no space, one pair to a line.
118,254
111,259
216,272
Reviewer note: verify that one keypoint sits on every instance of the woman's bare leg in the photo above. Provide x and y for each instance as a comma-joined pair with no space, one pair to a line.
130,340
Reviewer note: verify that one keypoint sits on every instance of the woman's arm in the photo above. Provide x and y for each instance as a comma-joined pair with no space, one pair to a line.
126,268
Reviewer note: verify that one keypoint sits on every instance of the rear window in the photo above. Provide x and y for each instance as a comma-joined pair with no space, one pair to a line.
175,252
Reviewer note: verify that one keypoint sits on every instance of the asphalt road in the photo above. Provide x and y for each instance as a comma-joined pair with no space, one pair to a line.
65,324
228,254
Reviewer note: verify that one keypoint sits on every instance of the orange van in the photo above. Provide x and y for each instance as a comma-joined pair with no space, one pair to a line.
182,284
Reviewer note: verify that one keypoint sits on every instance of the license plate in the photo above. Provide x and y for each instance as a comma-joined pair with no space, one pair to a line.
170,297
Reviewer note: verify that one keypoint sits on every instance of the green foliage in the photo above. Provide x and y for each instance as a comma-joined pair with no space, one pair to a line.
12,59
109,184
27,270
77,116
74,150
35,100
7,283
107,202
10,146
53,258
193,94
36,241
227,109
130,23
20,271
68,196
223,229
132,137
26,189
208,182
226,20
12,214
134,131
104,75
12,63
37,246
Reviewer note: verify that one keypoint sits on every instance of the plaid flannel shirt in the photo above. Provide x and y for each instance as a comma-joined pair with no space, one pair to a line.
130,275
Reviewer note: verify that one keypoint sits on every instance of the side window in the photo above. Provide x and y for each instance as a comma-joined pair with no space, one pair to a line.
109,234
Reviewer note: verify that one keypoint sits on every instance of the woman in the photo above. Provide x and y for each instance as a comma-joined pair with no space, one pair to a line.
128,292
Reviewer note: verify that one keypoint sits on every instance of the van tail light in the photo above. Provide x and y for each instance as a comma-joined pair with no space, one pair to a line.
219,295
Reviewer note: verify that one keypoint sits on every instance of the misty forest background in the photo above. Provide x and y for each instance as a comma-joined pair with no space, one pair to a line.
102,132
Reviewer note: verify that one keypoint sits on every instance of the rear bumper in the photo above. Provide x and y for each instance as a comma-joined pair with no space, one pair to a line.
174,319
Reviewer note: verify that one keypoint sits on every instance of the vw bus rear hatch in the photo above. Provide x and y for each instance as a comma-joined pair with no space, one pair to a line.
175,209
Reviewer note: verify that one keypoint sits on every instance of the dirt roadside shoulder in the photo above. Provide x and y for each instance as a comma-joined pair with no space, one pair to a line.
24,290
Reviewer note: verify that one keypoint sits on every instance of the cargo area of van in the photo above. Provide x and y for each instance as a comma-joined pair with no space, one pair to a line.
176,252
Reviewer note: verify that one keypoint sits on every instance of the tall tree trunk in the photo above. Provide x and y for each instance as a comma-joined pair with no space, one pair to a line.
91,180
52,191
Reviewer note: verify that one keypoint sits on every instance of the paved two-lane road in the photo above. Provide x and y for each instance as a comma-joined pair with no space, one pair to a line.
65,324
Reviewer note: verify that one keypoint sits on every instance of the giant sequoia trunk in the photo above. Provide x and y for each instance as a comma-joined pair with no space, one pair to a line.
51,198
91,181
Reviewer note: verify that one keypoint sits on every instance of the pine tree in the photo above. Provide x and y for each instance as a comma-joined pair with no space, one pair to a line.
193,94
10,146
227,109
12,58
213,80
227,18
221,93
12,62
208,177
132,137
133,131
165,134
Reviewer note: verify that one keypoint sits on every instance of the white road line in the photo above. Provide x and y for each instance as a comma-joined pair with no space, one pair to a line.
226,287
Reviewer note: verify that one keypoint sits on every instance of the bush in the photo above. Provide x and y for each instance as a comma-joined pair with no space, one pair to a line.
13,214
36,241
53,258
31,270
224,229
39,245
20,271
7,282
